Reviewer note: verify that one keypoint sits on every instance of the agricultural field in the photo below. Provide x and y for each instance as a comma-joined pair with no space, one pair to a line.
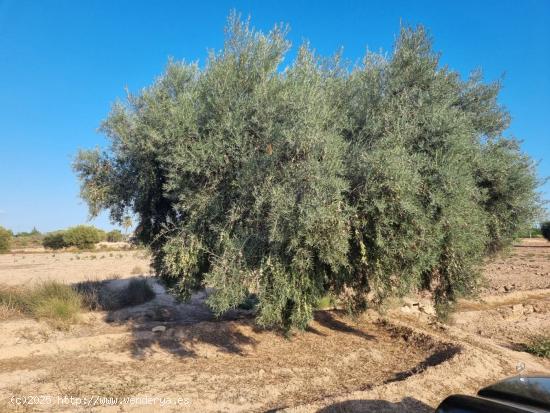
130,338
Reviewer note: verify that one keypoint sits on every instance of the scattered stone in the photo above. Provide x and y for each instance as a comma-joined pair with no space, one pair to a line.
410,309
517,309
528,309
158,329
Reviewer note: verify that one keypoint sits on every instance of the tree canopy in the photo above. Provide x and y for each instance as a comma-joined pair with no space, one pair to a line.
290,183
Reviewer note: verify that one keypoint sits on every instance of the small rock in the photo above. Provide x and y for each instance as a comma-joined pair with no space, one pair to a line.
158,329
508,288
261,372
529,309
517,308
407,309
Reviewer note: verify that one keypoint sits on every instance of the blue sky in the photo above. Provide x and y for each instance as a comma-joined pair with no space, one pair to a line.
62,64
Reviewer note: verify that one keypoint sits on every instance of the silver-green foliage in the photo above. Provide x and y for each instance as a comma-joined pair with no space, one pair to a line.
293,183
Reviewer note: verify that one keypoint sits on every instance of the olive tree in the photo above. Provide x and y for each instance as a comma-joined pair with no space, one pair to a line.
291,183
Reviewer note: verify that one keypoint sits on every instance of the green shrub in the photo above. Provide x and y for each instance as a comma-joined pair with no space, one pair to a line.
5,239
545,230
82,236
102,235
315,180
539,346
54,240
115,236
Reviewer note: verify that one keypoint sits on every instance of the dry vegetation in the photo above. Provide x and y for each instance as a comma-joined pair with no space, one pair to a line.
122,336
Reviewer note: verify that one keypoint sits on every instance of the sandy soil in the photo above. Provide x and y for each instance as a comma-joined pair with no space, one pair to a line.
525,267
401,361
71,266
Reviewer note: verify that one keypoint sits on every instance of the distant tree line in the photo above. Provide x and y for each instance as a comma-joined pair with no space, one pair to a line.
363,182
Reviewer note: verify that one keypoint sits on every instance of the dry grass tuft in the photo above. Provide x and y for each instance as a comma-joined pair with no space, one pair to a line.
97,295
137,292
53,301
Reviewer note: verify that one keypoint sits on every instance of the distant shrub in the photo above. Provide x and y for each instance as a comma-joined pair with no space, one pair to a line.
101,234
34,232
31,239
115,236
545,230
82,236
5,239
54,240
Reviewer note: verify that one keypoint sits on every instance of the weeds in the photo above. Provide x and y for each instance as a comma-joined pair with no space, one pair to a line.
98,295
539,346
53,301
60,304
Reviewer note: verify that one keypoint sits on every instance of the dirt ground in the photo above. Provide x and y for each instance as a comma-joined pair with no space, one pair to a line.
177,357
71,267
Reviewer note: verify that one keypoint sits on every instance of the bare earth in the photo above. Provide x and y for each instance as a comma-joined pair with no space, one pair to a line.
71,267
401,361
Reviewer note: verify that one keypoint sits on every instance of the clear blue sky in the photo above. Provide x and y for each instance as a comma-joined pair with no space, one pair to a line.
62,64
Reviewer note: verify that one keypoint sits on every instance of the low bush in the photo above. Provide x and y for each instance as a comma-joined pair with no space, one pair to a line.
545,230
5,239
137,292
54,240
115,236
82,236
97,295
31,239
539,346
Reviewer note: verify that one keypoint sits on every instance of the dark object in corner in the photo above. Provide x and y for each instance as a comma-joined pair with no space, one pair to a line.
513,395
